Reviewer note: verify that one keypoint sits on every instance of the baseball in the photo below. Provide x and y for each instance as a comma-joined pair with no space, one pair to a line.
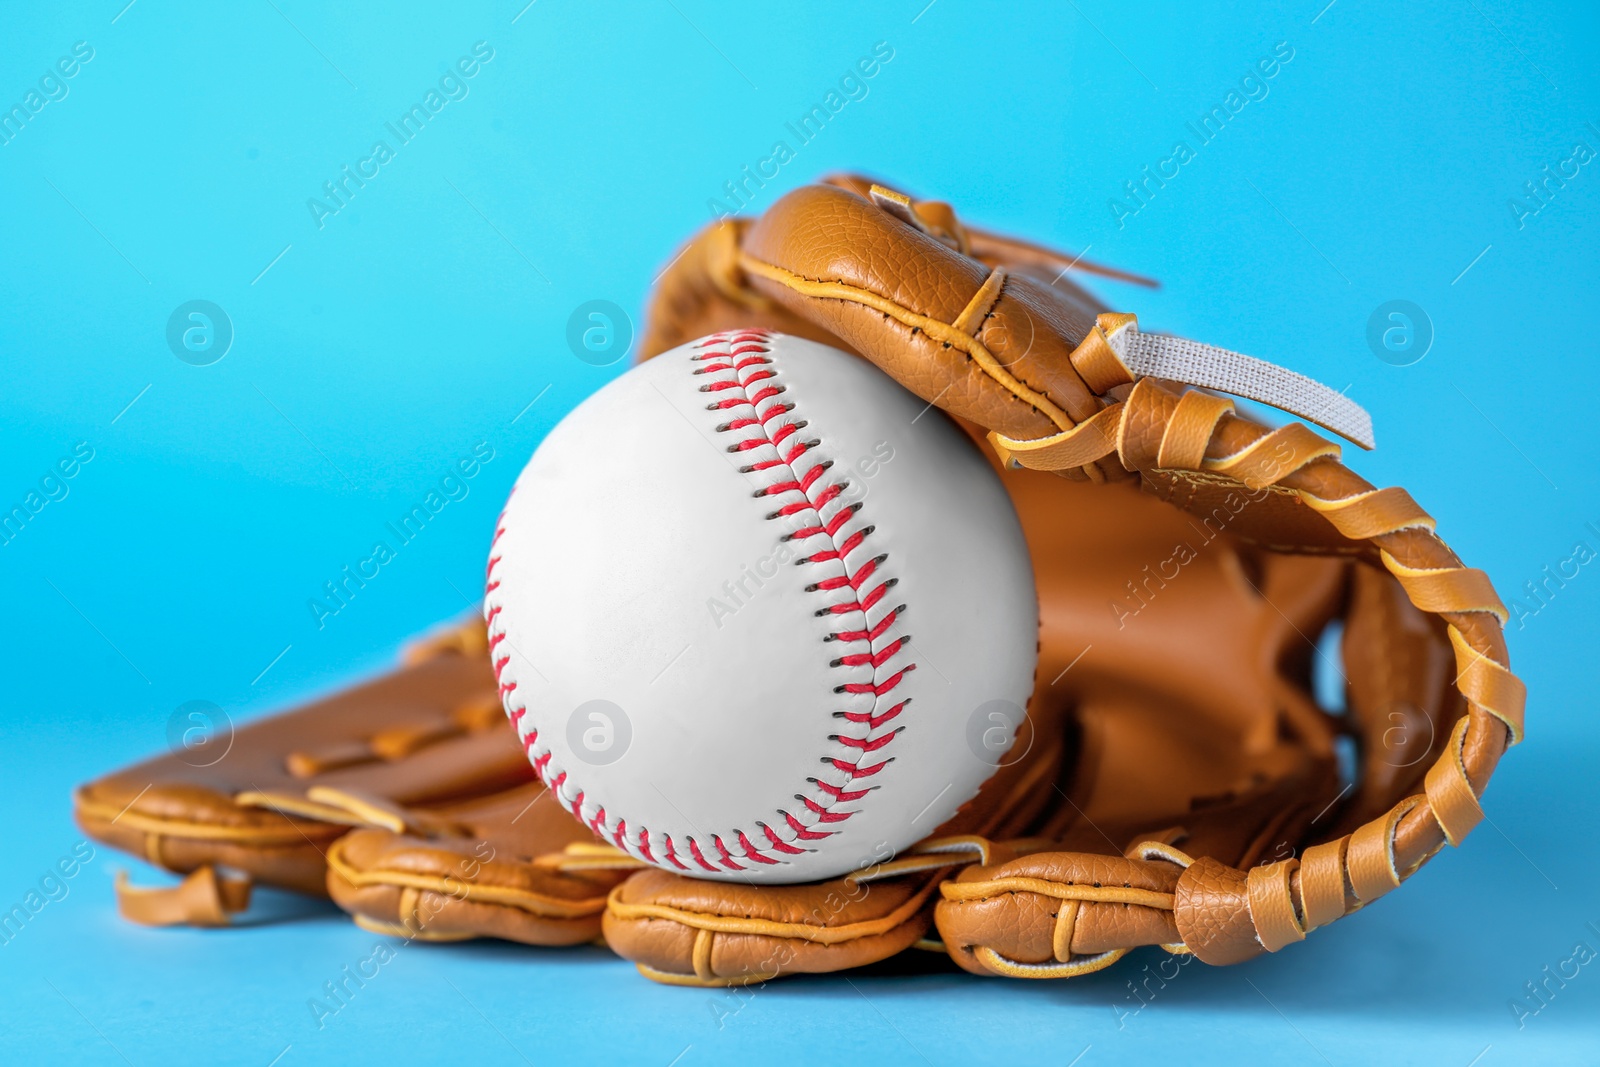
760,614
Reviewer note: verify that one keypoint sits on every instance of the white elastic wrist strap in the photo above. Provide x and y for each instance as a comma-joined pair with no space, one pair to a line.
1178,359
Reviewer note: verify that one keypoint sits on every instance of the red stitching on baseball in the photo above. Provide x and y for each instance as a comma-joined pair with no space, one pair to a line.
672,853
856,770
644,842
839,794
726,860
778,842
737,353
751,851
875,720
800,830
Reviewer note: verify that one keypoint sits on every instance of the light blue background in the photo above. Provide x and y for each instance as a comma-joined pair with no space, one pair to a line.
430,312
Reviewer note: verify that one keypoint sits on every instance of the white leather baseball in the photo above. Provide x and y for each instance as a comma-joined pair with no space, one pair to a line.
747,603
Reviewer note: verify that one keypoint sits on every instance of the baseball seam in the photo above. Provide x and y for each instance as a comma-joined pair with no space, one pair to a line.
743,383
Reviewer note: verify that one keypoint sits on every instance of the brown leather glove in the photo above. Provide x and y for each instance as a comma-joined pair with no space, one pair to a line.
1202,806
1172,716
424,753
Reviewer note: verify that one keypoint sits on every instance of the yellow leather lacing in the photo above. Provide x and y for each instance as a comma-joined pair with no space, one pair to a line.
1289,898
542,905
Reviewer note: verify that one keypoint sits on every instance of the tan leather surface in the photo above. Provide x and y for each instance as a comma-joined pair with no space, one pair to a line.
416,737
475,875
1010,908
896,295
1212,913
203,898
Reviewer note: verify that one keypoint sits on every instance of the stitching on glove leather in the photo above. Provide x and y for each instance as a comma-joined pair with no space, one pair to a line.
934,328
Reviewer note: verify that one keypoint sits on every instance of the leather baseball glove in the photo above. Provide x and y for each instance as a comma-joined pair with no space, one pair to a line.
1175,784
